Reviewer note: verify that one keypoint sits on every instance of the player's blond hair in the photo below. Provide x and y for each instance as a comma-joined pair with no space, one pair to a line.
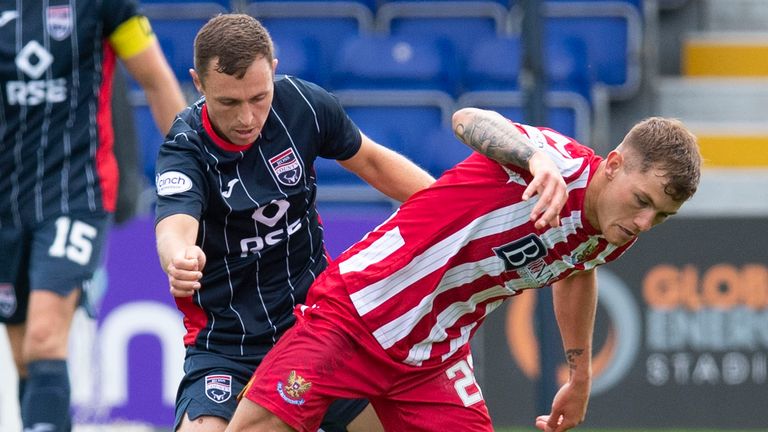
235,41
667,145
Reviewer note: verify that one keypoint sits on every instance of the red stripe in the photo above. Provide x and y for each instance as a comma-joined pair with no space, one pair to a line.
194,319
219,141
106,163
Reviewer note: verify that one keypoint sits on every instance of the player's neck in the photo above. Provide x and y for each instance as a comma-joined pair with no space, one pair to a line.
594,189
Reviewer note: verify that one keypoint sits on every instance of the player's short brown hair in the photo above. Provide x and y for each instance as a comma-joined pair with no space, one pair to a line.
234,41
667,145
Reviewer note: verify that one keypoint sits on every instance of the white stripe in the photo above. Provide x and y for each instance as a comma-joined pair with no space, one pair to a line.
226,264
376,252
448,317
400,327
437,256
317,125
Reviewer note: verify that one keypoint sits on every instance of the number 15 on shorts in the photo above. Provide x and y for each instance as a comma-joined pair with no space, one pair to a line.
463,378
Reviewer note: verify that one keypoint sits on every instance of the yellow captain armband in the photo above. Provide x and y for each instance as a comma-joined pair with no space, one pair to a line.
132,37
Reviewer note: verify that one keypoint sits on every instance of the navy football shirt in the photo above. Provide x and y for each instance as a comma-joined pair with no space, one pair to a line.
259,227
55,124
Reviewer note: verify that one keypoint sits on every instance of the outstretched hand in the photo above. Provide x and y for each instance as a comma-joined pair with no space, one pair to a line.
568,409
549,185
185,271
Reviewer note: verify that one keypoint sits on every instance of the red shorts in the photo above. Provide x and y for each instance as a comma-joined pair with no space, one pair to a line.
329,354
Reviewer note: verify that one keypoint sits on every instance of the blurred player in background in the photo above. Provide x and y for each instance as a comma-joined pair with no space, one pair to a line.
58,175
237,228
391,319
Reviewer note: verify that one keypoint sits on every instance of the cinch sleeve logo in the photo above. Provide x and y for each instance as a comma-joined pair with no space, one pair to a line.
172,182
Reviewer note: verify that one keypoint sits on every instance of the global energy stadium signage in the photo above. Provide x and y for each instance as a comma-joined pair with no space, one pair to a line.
681,338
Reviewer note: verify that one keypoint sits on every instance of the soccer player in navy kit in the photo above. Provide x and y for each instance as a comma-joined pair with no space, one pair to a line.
237,228
59,176
401,306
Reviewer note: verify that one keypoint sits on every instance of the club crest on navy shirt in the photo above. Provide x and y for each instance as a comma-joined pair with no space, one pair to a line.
286,167
59,21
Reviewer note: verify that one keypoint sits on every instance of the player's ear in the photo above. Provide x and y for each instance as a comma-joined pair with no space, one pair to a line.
196,80
613,164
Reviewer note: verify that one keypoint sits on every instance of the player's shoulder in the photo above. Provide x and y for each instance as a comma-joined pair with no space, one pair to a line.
290,90
188,125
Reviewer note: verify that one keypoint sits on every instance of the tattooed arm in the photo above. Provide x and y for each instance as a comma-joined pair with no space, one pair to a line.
492,135
575,301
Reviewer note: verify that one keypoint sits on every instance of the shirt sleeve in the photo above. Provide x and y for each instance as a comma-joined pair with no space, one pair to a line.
180,180
127,31
339,135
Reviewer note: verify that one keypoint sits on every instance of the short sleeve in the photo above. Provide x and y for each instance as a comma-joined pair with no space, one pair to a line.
180,181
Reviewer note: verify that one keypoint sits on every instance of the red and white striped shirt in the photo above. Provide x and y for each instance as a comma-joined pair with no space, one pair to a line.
424,280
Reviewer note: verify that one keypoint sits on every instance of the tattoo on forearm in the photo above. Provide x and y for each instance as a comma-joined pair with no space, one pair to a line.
571,355
493,138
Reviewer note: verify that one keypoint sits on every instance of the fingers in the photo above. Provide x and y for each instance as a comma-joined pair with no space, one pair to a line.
184,276
552,197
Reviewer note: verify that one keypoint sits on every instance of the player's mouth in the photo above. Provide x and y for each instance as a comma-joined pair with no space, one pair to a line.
244,134
627,232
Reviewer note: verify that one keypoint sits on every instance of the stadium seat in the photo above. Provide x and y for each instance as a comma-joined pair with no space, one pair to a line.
443,150
182,4
612,35
495,64
298,57
320,24
176,28
370,4
567,112
399,120
504,3
379,62
638,4
460,22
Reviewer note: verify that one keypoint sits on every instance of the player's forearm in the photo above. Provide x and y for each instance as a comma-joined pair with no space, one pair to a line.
575,302
173,235
399,178
492,135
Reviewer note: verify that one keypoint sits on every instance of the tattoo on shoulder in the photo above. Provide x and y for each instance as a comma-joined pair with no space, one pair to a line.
494,138
571,355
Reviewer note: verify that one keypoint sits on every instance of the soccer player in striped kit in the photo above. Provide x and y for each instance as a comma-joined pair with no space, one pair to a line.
58,174
391,319
237,228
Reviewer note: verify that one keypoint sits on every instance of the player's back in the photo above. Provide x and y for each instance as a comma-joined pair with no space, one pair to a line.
425,279
55,127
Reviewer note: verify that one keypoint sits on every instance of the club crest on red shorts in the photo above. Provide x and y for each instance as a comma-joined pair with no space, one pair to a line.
218,388
294,389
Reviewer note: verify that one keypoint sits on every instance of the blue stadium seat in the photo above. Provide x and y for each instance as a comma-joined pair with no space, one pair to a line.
460,22
372,5
612,35
176,28
495,64
444,150
437,3
638,4
182,4
322,24
378,62
567,112
298,57
399,120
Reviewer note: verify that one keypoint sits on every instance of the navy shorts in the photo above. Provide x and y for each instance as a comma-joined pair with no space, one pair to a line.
212,382
58,255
